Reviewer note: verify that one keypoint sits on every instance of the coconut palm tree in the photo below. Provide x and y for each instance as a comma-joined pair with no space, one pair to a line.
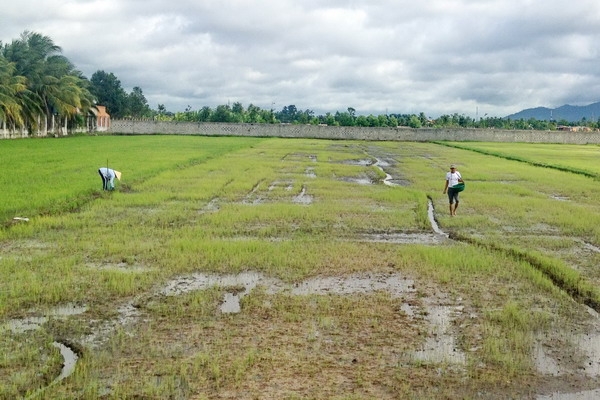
55,88
10,86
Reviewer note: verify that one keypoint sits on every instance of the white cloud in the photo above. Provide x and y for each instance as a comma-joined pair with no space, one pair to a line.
433,56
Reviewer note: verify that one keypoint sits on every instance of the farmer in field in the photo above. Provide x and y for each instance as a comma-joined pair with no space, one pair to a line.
453,178
108,177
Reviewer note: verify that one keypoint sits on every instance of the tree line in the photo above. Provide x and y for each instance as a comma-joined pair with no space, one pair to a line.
41,91
292,115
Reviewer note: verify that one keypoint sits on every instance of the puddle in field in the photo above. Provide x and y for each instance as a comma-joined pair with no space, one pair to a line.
190,283
389,180
211,206
432,221
405,238
26,324
35,322
288,185
253,197
362,163
310,172
358,180
70,360
559,198
395,284
28,244
128,315
545,364
231,303
24,249
303,198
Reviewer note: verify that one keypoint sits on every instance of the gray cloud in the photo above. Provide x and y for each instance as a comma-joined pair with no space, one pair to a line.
435,56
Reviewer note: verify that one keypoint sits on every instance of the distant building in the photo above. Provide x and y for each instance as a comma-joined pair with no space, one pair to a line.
573,128
102,118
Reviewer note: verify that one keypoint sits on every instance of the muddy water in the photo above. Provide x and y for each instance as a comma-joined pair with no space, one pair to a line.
388,178
365,181
585,395
404,238
128,315
249,280
70,360
35,322
303,198
432,221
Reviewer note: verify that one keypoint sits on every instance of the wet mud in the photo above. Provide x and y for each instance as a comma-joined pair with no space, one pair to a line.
584,395
68,353
583,359
303,197
441,346
437,238
398,286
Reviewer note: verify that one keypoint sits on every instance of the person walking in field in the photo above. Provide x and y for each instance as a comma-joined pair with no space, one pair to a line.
453,178
108,177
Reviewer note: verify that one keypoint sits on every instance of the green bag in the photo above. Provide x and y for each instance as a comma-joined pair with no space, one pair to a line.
459,187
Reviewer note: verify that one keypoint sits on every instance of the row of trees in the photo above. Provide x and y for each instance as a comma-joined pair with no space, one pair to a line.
41,91
292,115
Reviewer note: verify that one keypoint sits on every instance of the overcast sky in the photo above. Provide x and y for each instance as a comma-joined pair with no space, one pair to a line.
471,57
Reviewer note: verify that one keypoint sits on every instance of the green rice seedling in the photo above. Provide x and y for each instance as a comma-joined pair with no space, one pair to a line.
70,177
513,329
579,159
198,205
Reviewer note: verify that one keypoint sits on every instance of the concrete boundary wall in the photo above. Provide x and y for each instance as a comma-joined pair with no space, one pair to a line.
137,127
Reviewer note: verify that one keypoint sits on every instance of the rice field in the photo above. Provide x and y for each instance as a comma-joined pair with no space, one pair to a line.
245,268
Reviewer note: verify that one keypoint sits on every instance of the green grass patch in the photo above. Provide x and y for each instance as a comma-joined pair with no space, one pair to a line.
521,248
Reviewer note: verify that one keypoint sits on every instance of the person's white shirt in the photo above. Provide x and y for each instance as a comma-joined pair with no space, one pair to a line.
453,178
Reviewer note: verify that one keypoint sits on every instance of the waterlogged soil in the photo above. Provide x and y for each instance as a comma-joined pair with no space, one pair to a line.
252,311
130,315
432,319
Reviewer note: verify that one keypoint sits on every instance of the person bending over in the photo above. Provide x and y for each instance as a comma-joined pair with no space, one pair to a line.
108,177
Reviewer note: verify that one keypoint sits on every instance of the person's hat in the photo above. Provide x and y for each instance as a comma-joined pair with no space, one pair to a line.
452,165
118,175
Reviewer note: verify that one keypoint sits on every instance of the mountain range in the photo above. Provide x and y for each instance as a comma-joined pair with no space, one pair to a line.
567,112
